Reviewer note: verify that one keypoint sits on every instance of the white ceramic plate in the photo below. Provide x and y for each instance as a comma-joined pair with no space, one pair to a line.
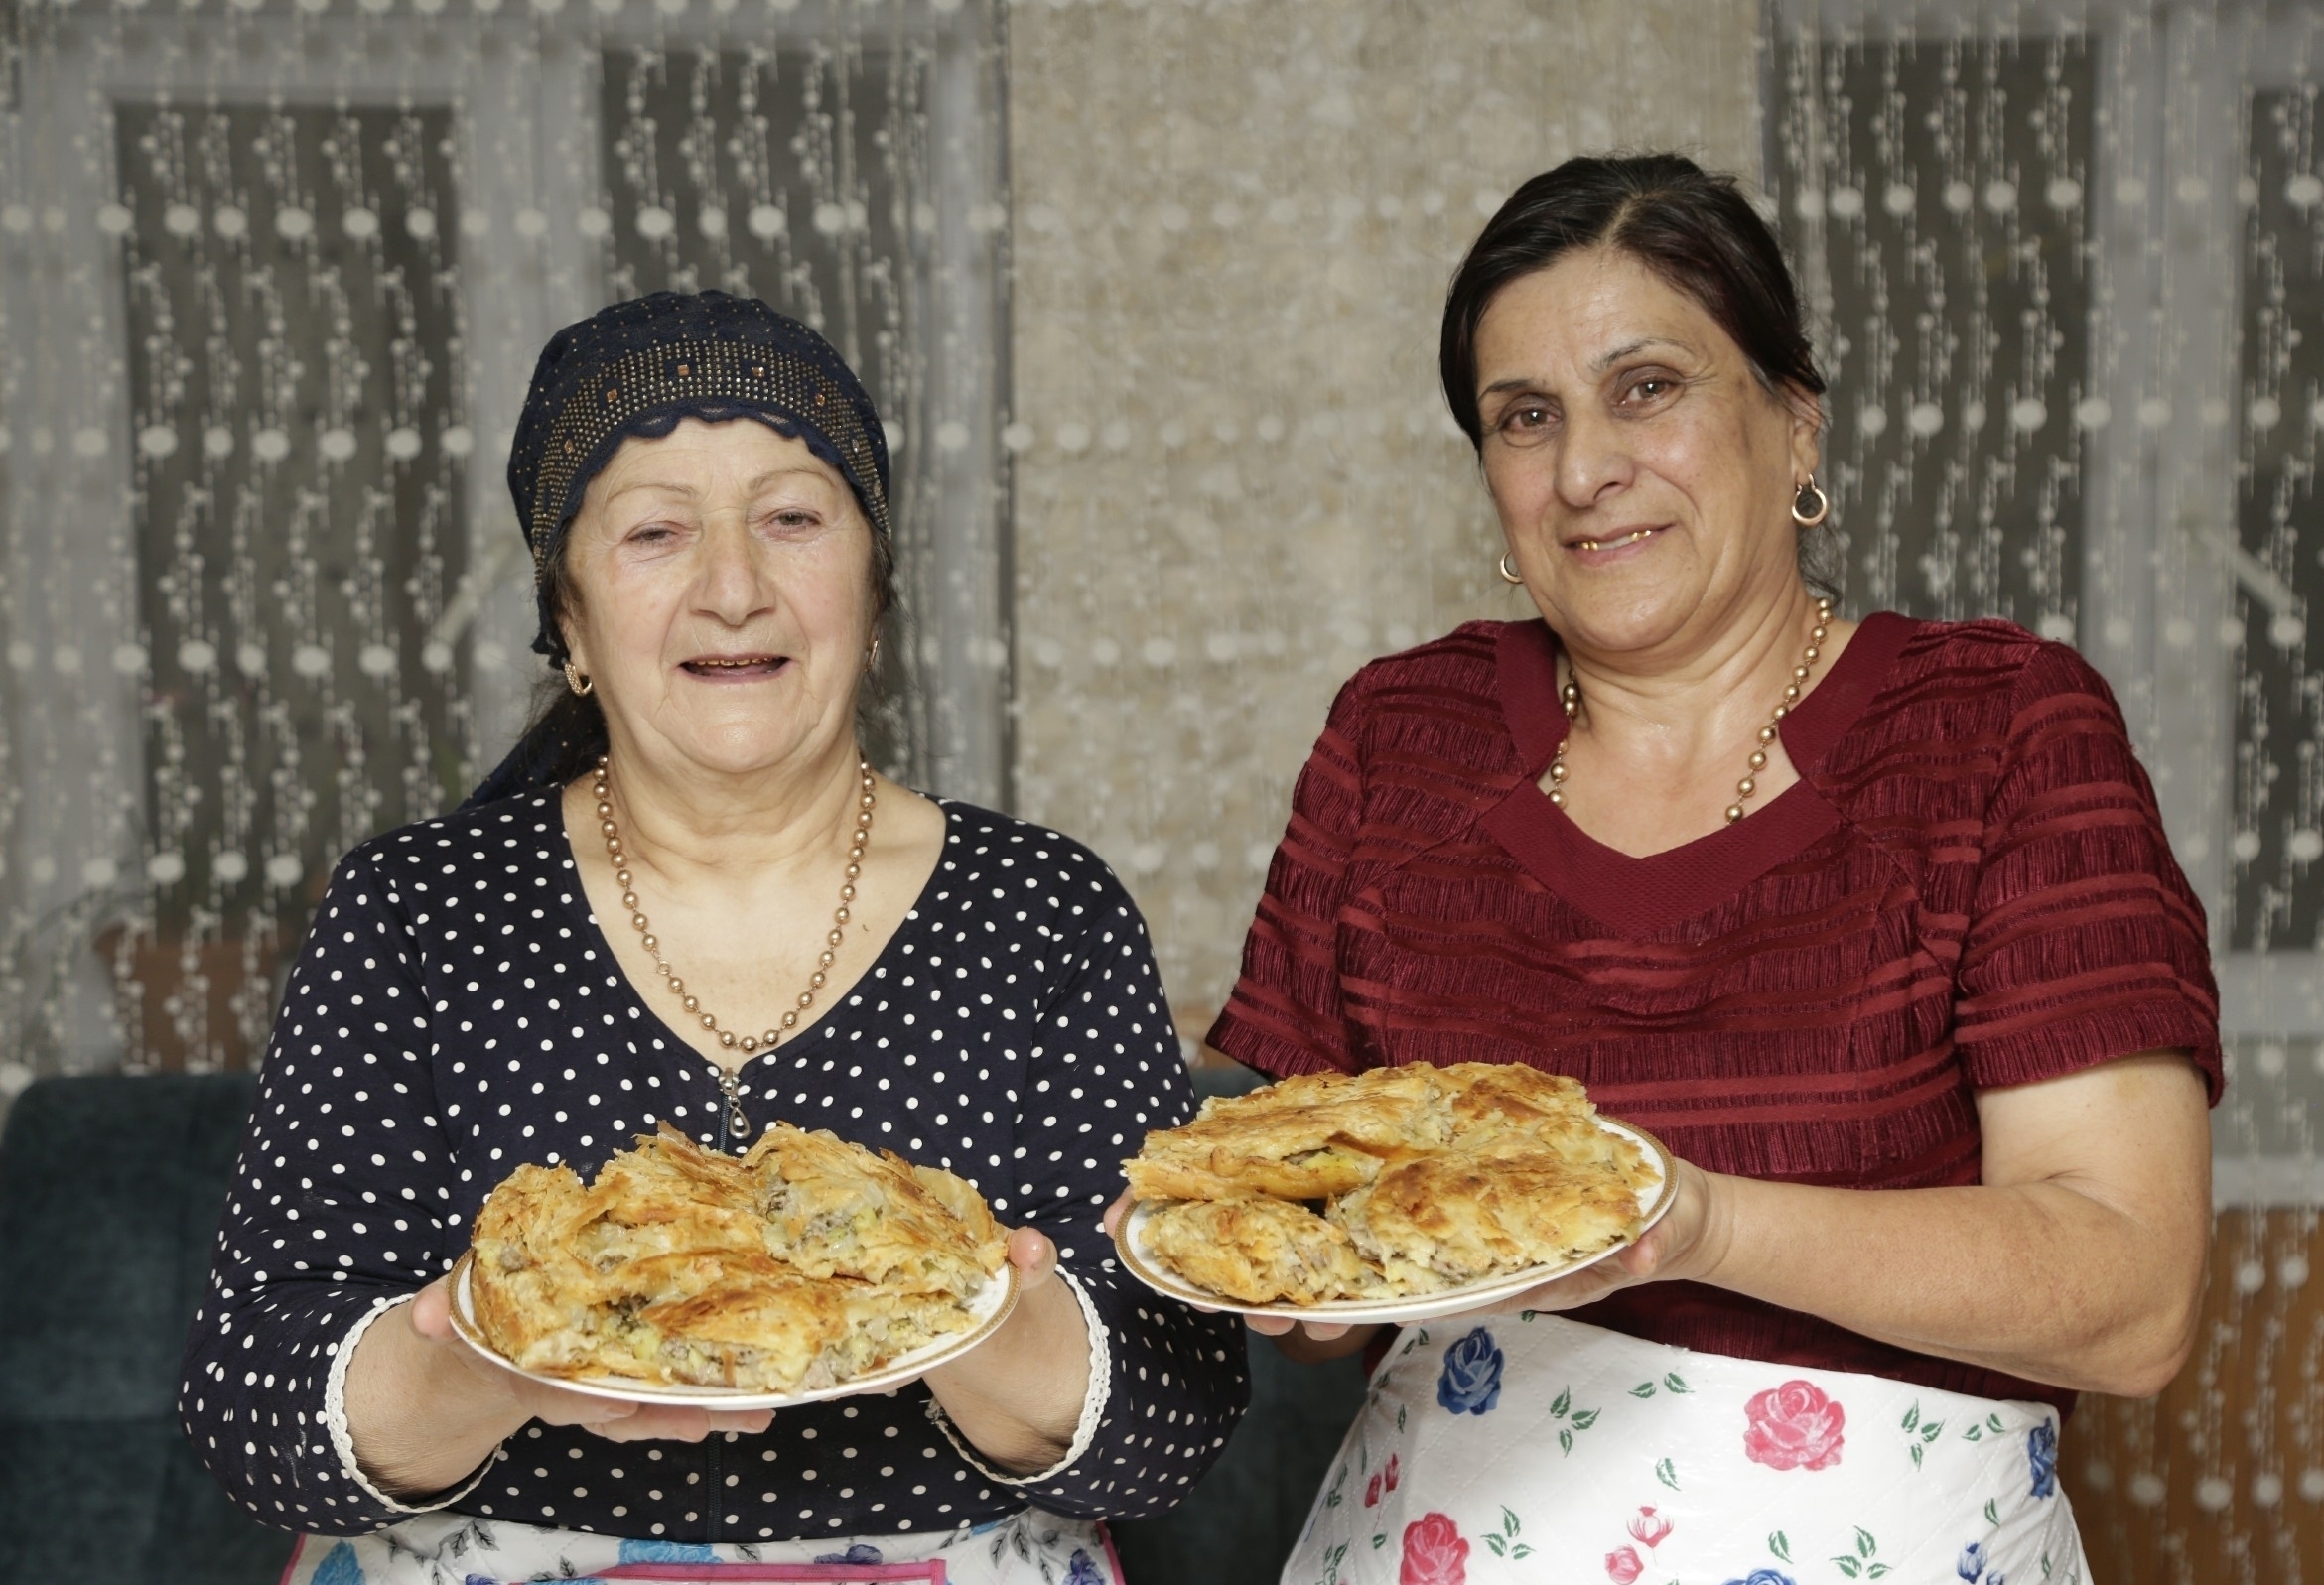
1653,1200
991,1307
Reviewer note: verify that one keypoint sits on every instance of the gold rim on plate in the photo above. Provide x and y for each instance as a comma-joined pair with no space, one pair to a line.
1410,1307
903,1368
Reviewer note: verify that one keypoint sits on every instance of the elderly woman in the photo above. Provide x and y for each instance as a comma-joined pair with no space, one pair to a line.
1873,923
686,898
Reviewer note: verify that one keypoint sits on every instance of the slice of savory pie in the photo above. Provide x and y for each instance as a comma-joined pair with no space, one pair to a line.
834,1208
1304,1139
1429,1176
1257,1250
1469,1215
806,1263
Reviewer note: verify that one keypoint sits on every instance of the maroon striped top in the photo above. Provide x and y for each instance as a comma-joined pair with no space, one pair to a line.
1969,887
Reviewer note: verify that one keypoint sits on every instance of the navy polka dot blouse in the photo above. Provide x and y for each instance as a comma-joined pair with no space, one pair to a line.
455,1011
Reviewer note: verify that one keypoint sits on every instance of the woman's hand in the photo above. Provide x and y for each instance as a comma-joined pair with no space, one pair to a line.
1018,1395
424,1410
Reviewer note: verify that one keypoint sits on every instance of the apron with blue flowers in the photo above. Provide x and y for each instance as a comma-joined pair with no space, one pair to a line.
1533,1448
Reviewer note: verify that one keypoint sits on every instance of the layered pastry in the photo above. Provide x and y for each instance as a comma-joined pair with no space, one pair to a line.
1390,1183
803,1263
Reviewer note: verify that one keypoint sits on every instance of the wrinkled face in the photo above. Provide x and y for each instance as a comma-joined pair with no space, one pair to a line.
1643,476
722,581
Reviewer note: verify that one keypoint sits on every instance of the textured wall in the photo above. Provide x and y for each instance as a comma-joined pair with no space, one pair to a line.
1235,478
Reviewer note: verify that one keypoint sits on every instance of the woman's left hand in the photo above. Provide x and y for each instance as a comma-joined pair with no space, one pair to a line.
1018,1395
1683,1247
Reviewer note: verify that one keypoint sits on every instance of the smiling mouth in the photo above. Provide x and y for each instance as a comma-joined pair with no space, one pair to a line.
734,665
1616,543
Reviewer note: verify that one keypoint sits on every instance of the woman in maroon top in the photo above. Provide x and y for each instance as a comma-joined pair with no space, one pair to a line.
1829,907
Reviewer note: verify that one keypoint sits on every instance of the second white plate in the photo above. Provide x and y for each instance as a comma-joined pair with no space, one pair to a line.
1653,1201
991,1307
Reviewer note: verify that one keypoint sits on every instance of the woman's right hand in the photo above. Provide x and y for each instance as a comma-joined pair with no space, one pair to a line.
424,1410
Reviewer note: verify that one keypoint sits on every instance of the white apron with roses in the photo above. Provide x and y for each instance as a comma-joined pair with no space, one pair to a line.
1535,1448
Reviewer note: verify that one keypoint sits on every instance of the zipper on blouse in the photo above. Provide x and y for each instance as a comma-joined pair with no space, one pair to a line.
734,1128
734,1131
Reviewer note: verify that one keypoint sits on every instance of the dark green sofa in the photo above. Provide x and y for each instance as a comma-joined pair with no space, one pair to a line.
110,1190
109,1197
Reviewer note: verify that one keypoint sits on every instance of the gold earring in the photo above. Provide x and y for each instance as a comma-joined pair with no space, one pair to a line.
582,686
1823,504
872,657
1510,574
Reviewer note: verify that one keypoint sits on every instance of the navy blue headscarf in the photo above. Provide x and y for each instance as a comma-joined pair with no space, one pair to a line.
640,368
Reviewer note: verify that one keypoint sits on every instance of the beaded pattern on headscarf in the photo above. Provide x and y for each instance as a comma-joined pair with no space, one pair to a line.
705,371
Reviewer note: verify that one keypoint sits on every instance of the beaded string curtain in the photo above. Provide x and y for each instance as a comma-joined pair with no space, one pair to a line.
275,275
2068,269
1957,494
286,585
2280,693
815,177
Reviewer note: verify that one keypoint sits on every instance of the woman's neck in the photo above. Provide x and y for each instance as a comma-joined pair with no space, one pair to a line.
690,827
1675,712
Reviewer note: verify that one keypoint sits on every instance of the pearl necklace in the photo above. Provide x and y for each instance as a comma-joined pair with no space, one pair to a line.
832,940
1571,697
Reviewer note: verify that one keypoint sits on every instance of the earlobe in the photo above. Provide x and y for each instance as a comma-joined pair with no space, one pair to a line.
1806,409
578,674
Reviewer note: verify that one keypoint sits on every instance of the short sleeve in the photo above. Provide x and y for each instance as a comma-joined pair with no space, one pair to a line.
2083,941
1285,1013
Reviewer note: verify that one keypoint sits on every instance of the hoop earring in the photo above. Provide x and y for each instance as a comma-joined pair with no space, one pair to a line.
872,657
580,686
1510,574
1823,504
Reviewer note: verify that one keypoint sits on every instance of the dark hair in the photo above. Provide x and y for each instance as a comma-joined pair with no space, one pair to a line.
1693,228
567,730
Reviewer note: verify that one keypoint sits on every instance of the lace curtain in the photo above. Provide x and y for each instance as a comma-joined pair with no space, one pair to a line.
2067,270
276,273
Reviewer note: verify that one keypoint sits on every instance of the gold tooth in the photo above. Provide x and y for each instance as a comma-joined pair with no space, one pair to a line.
1631,538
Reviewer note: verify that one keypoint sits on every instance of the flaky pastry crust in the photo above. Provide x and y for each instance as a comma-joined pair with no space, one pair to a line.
805,1262
1429,1177
1301,1139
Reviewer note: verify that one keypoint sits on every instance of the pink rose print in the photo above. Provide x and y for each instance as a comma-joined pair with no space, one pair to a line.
1391,1472
1649,1529
1793,1427
1433,1553
1372,1490
1623,1566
